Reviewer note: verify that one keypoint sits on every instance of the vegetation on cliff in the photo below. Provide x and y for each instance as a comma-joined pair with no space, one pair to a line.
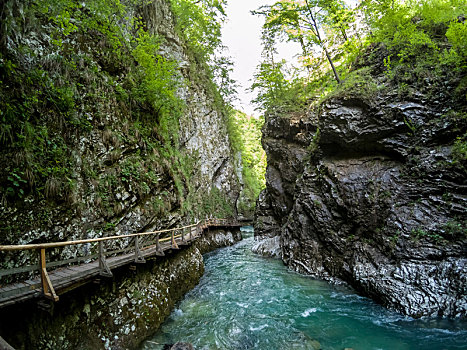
413,42
408,47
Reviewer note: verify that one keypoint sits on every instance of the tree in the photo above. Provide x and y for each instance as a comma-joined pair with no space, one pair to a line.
270,83
276,83
302,21
200,23
338,16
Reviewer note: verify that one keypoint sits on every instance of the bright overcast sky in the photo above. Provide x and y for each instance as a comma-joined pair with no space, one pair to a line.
242,35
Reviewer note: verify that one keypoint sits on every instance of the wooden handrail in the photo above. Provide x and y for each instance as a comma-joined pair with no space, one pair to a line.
82,241
208,222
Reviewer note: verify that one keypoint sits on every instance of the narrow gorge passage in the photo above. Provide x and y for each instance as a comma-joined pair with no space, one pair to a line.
245,301
337,128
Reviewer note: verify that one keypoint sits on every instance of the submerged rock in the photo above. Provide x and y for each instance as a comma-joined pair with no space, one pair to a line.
214,239
378,202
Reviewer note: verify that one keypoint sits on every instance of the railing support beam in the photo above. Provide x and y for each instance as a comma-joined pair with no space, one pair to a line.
159,250
47,287
104,269
139,259
174,244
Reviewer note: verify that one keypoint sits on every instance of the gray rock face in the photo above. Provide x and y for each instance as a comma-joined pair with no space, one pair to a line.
218,238
203,128
182,346
285,141
268,247
379,204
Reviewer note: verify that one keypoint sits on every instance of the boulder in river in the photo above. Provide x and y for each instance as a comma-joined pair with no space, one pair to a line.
268,247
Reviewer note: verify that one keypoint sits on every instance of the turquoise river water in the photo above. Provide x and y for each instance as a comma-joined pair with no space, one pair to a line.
245,301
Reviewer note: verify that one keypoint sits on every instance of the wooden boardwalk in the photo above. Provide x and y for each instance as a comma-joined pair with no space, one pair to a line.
55,278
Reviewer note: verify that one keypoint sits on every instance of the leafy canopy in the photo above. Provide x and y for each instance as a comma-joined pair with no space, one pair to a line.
422,40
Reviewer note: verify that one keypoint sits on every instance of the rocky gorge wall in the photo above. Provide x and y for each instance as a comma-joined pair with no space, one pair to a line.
369,191
110,125
95,148
115,313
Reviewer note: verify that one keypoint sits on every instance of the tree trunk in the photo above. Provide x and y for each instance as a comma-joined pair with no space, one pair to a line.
321,42
344,34
328,56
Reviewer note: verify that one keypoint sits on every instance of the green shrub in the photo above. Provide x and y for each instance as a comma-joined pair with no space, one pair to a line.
459,150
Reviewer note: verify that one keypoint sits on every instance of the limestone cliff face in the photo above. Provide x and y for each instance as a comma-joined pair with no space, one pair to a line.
94,144
203,130
285,141
378,202
109,168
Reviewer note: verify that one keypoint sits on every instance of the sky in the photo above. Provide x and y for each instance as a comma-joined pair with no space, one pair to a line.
242,35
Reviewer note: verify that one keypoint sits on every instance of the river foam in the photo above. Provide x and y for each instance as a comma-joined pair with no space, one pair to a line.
308,312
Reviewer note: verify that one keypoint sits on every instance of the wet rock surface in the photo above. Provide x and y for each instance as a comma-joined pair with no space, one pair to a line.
179,346
269,246
216,238
285,141
378,202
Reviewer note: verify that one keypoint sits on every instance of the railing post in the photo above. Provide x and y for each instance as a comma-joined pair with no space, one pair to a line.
183,235
103,267
138,256
159,250
174,244
47,287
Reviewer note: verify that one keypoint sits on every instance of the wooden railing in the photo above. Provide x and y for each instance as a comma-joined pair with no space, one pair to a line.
131,246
